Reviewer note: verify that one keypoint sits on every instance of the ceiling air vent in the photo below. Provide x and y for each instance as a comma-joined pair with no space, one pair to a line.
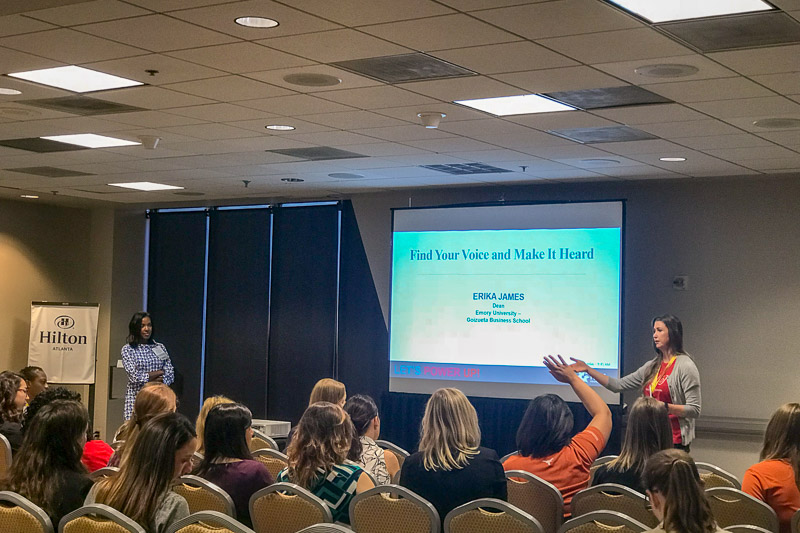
608,97
736,31
317,153
610,134
404,67
463,169
35,144
50,172
82,105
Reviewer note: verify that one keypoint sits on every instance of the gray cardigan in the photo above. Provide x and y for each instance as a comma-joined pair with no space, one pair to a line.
684,389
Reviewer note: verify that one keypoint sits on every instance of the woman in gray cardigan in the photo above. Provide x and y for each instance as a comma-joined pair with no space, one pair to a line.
670,377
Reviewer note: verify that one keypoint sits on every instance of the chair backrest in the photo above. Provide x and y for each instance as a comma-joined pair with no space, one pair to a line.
208,522
326,528
506,456
197,458
286,508
746,528
261,441
600,461
5,455
106,471
474,517
202,495
274,460
537,497
116,444
394,448
98,518
614,497
603,522
21,515
392,509
714,476
732,507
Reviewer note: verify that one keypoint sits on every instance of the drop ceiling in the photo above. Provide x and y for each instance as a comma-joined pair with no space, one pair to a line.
217,85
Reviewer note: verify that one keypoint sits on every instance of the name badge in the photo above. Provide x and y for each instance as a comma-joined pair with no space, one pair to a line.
161,353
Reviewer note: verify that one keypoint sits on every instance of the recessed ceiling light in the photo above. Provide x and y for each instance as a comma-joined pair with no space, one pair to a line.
9,92
777,123
256,22
280,127
145,186
292,180
667,10
77,79
31,196
91,140
672,159
666,70
309,79
515,105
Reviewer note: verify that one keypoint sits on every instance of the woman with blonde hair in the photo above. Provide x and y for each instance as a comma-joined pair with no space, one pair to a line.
776,478
318,458
154,398
451,468
328,390
648,432
200,424
677,495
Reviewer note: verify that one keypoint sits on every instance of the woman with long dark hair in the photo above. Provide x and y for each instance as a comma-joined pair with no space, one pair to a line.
144,359
670,377
13,397
141,490
47,469
677,495
382,464
776,478
227,461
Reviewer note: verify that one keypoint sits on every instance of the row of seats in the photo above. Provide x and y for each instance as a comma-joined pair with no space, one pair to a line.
711,475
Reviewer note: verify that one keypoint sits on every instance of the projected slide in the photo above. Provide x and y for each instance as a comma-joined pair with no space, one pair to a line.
479,308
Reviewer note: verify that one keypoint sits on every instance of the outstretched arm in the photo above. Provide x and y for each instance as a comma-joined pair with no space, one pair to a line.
601,414
579,366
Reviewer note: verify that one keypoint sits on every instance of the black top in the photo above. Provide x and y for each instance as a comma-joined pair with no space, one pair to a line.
628,478
72,494
483,477
13,432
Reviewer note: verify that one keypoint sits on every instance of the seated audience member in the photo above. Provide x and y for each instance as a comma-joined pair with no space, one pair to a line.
318,458
13,397
543,439
382,464
96,453
451,468
141,490
47,469
328,390
677,494
648,432
227,461
154,398
775,479
199,425
36,379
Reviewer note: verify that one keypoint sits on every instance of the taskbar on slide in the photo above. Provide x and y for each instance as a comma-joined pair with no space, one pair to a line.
480,373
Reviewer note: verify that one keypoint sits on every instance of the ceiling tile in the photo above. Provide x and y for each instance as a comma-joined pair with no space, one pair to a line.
169,69
454,112
409,132
745,107
332,138
787,83
714,89
559,79
650,114
259,125
377,97
440,33
69,46
211,131
229,88
352,120
240,57
473,5
770,60
87,12
457,145
740,140
555,19
462,88
296,104
483,129
157,33
220,112
358,13
152,119
348,79
16,24
221,18
689,128
706,69
787,163
790,139
150,97
737,155
561,120
506,57
335,45
653,146
614,46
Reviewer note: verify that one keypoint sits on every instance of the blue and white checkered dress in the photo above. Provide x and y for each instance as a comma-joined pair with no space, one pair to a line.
139,361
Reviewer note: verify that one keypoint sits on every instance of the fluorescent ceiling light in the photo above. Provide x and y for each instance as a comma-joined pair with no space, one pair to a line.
256,22
279,127
29,196
145,186
672,159
516,105
9,92
77,79
91,140
667,10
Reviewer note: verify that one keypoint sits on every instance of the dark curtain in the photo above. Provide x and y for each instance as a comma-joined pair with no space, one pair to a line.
303,317
176,276
363,338
238,307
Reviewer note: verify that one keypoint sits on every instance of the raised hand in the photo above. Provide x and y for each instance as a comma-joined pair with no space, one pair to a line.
578,365
559,369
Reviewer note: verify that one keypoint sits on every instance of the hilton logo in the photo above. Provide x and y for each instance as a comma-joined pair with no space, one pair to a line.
61,337
64,322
